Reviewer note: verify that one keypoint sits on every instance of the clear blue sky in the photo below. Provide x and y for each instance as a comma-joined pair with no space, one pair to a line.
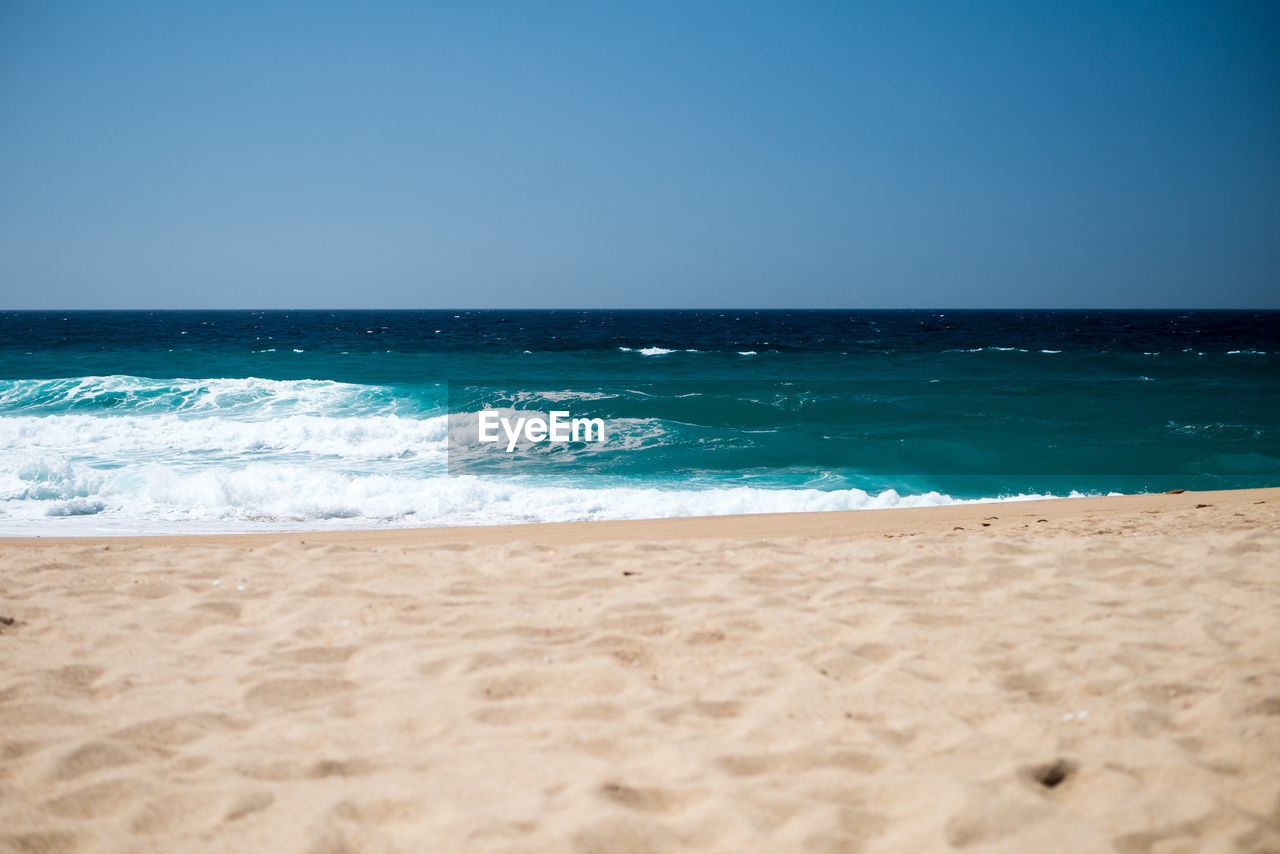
598,154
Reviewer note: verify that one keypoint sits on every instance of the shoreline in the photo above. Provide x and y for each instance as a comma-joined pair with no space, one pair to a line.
894,521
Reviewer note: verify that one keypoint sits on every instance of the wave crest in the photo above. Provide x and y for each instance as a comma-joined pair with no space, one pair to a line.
248,397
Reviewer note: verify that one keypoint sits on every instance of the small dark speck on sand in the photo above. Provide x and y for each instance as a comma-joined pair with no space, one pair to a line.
1053,774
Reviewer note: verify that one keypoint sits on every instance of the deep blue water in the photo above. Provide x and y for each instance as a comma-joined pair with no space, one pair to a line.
138,421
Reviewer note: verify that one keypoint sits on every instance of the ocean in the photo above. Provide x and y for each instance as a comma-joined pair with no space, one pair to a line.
194,421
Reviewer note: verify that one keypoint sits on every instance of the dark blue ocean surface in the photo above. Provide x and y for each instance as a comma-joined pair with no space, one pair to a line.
138,421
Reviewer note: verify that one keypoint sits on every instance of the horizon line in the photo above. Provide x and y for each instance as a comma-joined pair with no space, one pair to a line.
639,309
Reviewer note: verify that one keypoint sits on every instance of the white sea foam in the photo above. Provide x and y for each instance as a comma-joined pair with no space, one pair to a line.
654,351
265,496
130,438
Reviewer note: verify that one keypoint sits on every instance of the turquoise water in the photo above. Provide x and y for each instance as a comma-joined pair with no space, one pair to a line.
132,421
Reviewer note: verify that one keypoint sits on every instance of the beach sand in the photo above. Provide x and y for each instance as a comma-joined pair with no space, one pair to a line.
1074,675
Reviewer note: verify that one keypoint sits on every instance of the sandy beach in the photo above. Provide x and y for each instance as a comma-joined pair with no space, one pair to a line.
1072,675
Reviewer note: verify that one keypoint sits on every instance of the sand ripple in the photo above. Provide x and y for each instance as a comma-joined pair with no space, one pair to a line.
1019,687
